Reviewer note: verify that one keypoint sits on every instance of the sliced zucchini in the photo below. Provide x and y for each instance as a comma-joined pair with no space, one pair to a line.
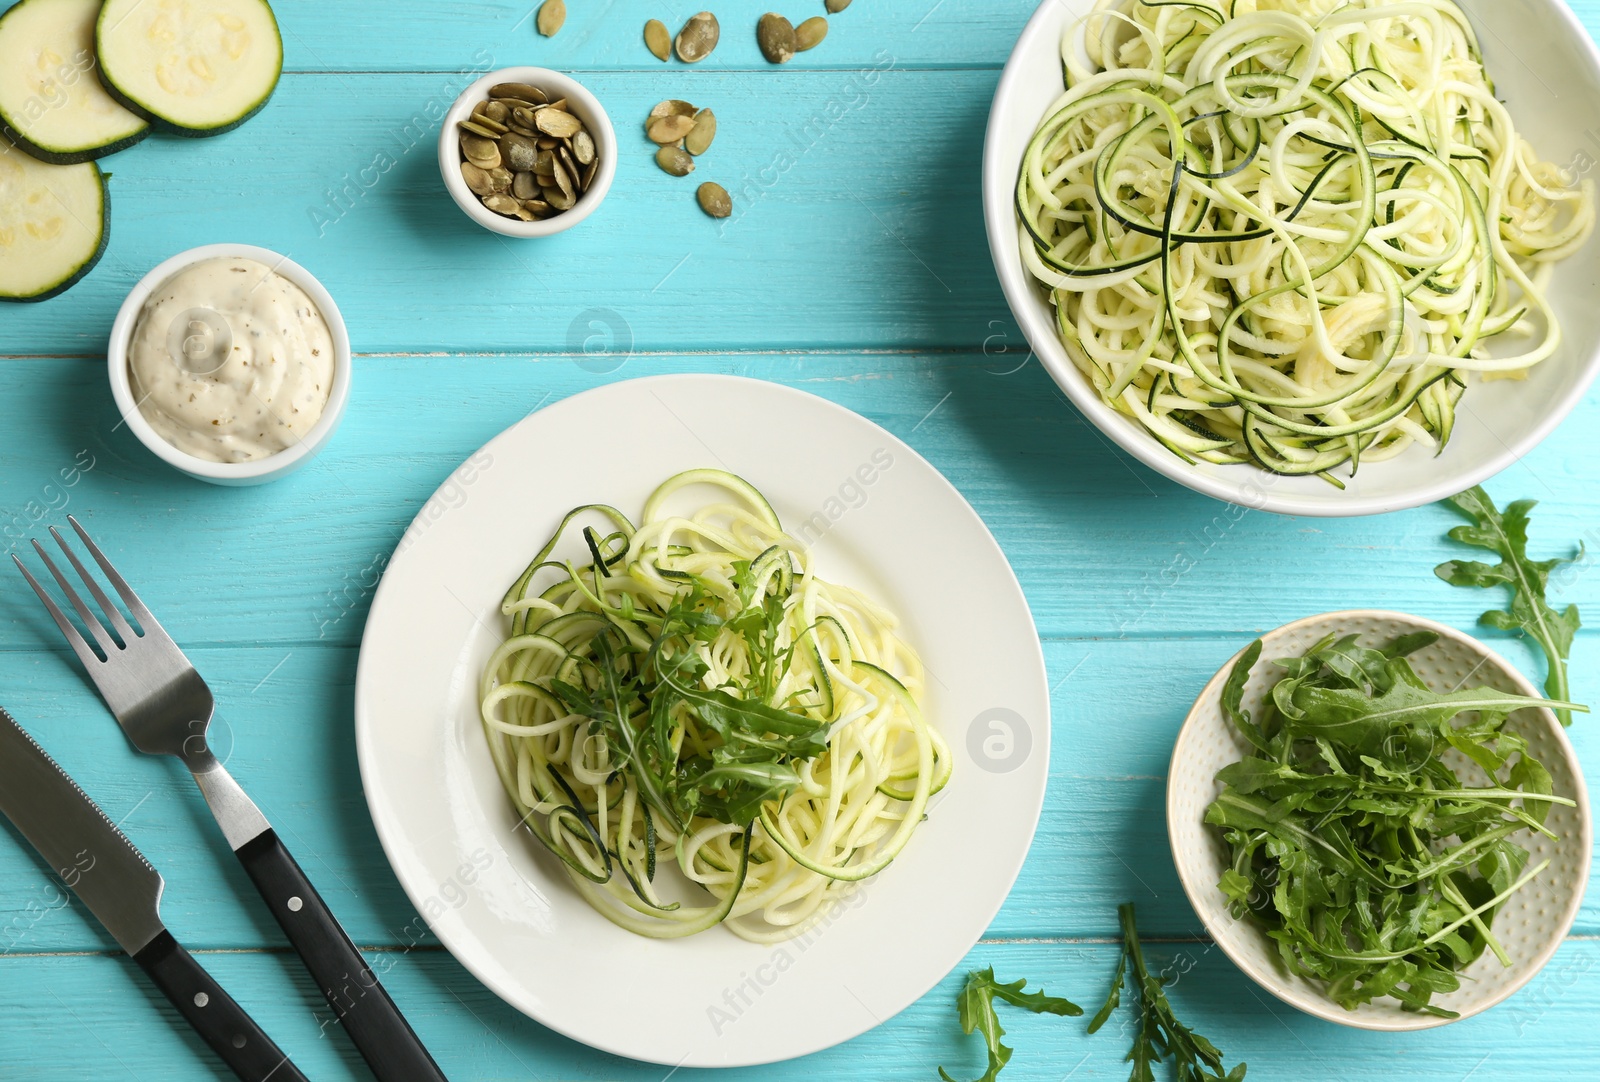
199,67
51,102
54,223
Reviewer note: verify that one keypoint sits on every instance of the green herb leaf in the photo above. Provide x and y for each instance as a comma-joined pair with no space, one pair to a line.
1364,721
976,1010
1506,534
1159,1035
1233,695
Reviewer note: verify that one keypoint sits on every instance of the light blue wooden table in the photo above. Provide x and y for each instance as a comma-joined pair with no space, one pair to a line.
856,270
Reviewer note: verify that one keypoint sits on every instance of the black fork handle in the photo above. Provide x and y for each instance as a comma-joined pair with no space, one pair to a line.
375,1025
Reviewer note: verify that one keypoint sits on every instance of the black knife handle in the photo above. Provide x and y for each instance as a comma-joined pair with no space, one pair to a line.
376,1026
220,1021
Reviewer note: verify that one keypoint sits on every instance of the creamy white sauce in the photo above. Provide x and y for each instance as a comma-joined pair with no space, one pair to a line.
230,361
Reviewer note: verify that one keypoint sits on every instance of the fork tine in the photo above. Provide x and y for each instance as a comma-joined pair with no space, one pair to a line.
113,613
84,651
97,629
147,621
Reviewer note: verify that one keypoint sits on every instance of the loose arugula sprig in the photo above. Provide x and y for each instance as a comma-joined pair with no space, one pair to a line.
1369,862
1159,1034
1506,533
978,1014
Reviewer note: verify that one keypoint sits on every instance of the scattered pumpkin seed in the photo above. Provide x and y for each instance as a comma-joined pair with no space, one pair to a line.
672,107
524,187
715,200
501,204
658,39
497,111
667,130
537,207
472,127
680,163
775,35
698,141
809,34
698,37
552,17
500,179
836,6
519,91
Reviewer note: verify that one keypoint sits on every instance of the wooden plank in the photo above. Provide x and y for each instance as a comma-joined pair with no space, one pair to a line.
1102,545
341,174
365,35
95,1016
286,732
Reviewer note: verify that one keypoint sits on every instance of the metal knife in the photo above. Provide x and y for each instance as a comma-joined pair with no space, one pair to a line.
123,891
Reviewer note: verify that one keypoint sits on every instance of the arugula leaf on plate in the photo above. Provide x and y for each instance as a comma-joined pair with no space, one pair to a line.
977,1013
1506,534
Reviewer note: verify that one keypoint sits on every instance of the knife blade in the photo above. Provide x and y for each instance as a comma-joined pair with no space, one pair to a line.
114,881
80,844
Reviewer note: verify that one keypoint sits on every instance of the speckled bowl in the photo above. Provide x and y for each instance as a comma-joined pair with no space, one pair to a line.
1531,925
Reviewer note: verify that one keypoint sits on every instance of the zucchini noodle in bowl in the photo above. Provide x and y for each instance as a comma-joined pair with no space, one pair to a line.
1287,232
694,696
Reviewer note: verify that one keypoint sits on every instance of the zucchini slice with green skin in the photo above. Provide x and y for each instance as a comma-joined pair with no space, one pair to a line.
51,102
54,224
197,67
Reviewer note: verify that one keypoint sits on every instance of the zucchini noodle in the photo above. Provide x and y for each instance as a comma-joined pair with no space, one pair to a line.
695,695
1284,232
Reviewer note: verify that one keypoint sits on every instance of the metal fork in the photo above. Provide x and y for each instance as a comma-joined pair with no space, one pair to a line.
165,708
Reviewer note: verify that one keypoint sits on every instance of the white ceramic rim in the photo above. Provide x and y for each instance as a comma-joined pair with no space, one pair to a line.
1322,1007
1249,487
1026,687
229,472
585,106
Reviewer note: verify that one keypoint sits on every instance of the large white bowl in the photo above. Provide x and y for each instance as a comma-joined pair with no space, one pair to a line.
1547,70
1531,925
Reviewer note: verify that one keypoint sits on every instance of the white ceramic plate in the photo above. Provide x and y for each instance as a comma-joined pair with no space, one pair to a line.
1547,70
1531,925
887,522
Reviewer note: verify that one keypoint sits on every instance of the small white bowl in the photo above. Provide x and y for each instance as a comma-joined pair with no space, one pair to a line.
1550,99
261,470
1531,925
584,105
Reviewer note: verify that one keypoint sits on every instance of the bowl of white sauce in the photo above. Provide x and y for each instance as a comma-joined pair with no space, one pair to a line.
230,363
